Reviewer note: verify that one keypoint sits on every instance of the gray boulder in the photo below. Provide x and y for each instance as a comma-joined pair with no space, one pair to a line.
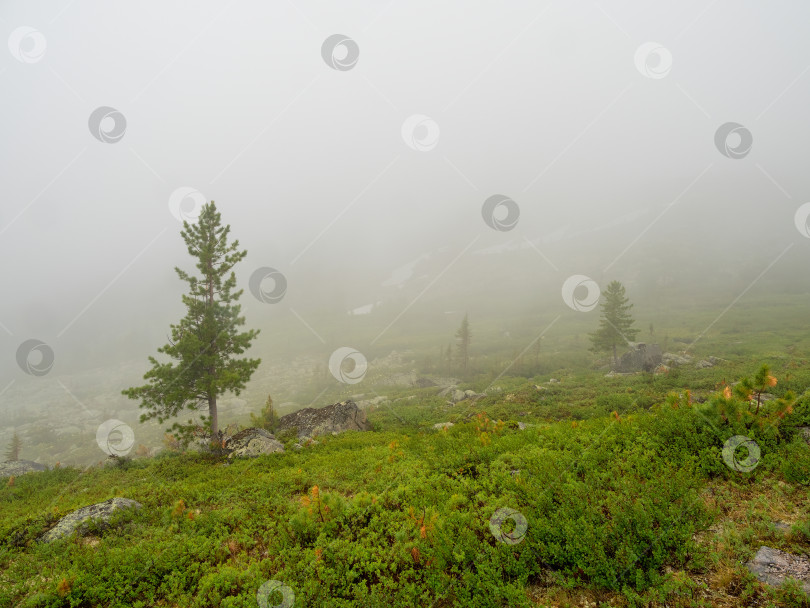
440,426
79,521
448,390
20,467
704,364
335,418
640,357
772,567
251,443
674,360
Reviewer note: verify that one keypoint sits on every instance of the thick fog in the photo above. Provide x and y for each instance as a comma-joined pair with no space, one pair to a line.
359,166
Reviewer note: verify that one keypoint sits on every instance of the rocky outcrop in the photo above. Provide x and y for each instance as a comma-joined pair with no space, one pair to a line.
335,418
674,360
772,567
79,521
251,443
20,467
641,357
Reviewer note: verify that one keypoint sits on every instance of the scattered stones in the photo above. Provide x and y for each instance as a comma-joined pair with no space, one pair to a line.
335,418
704,364
440,426
251,443
20,467
674,360
772,567
614,374
79,521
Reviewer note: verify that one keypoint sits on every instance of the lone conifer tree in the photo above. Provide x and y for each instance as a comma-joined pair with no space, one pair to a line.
615,324
13,450
463,336
204,343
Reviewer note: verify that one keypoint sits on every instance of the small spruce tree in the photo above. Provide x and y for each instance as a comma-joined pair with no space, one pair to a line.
267,418
463,336
615,323
13,449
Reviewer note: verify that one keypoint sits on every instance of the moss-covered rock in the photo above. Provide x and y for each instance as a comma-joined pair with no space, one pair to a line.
79,520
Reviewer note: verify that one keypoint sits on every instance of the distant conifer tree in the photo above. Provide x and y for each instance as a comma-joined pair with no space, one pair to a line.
615,324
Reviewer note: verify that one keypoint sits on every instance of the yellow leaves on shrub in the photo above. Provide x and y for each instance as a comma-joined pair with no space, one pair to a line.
63,587
10,481
313,503
179,508
727,392
770,380
486,428
395,452
424,524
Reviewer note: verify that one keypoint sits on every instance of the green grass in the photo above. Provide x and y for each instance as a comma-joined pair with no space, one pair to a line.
626,498
400,517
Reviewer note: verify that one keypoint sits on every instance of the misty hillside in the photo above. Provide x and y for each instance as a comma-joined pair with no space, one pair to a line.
404,304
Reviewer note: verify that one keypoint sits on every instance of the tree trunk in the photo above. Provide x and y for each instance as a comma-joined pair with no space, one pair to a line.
212,413
615,358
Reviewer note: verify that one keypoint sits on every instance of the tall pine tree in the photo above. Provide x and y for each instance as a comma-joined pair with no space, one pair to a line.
615,324
204,344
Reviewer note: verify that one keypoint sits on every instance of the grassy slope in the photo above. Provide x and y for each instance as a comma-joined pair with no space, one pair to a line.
637,510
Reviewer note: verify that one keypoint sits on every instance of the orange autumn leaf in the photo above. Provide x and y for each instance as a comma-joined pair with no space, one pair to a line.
770,380
727,392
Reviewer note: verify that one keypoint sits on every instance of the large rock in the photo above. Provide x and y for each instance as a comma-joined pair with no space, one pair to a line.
251,443
641,357
20,467
772,567
79,521
335,418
